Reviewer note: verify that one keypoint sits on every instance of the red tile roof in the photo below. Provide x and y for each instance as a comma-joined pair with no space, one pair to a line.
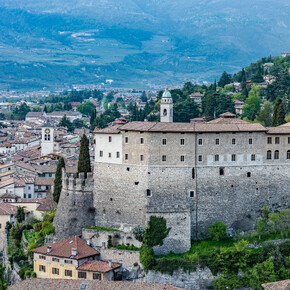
75,284
64,249
8,209
280,285
98,266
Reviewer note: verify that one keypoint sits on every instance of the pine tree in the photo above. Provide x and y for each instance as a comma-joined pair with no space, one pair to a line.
279,114
58,180
45,109
84,164
225,79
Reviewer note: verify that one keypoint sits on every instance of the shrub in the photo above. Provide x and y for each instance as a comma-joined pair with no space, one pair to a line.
110,245
31,246
127,247
147,257
38,227
228,282
139,233
169,265
217,231
33,274
156,231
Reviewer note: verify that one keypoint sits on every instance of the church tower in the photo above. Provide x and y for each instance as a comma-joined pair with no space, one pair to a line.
166,107
47,139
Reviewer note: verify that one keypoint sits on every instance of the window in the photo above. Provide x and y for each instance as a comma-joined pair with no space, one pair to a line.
82,275
233,141
164,141
117,154
96,276
269,140
222,171
277,140
24,195
29,195
55,271
101,153
163,158
193,173
55,260
110,154
199,158
68,261
182,158
288,154
269,154
42,257
29,187
48,137
0,226
141,140
216,157
191,193
110,138
288,140
217,141
141,157
68,273
248,174
126,156
126,140
276,154
50,174
233,157
253,157
148,192
199,141
181,141
250,141
41,268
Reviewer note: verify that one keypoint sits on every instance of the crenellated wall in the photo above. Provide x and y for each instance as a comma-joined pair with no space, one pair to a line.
75,208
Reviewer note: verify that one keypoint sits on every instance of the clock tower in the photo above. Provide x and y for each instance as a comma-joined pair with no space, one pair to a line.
47,139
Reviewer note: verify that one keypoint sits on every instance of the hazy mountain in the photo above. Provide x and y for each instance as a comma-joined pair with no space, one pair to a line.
134,42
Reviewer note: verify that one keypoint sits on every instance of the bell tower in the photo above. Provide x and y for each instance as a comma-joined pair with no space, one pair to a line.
47,139
166,107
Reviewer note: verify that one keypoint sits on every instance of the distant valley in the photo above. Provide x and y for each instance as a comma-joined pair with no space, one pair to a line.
136,43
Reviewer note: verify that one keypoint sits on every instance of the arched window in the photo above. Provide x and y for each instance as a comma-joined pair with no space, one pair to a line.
48,137
164,112
288,154
269,154
276,154
193,173
45,137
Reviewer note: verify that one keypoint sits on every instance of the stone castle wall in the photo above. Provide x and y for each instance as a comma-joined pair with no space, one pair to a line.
75,209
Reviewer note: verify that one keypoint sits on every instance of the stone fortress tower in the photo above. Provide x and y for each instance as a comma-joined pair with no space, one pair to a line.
166,107
47,139
192,174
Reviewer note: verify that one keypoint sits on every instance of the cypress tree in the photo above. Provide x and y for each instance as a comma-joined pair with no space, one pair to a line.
84,164
58,180
279,114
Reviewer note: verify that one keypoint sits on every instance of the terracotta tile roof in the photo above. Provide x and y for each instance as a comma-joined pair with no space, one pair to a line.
98,266
64,249
22,181
75,284
280,285
6,182
282,129
218,125
8,209
108,130
44,181
46,204
25,166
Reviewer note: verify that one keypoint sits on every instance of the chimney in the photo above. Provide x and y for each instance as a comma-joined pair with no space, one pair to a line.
110,264
48,249
88,242
74,252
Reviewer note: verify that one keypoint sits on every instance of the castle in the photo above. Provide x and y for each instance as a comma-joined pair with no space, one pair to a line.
192,174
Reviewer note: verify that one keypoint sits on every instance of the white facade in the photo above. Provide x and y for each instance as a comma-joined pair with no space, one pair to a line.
108,148
166,107
47,140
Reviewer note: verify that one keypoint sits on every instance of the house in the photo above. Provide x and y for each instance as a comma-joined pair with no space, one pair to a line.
57,116
68,259
197,97
239,107
7,214
35,116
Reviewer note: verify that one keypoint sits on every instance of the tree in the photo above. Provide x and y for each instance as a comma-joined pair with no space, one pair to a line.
184,111
93,119
252,103
265,117
224,79
147,257
21,112
86,108
84,164
280,221
20,215
45,110
279,114
217,231
65,122
156,231
143,97
58,180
